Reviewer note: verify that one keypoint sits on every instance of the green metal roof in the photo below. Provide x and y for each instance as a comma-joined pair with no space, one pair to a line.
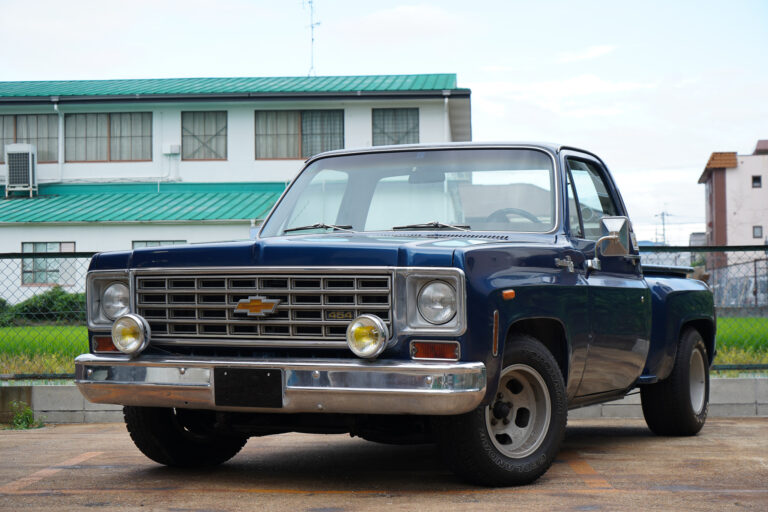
142,202
252,85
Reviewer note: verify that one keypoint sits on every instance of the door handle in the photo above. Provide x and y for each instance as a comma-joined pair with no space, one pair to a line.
566,263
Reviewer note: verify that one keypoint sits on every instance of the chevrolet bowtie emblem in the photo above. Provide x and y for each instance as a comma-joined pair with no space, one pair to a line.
257,306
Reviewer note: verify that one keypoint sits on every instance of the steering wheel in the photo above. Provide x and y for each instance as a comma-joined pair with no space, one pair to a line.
587,213
500,215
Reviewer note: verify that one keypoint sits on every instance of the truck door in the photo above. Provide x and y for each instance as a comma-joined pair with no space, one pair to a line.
619,300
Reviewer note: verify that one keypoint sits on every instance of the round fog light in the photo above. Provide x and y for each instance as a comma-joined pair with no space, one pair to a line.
130,334
367,336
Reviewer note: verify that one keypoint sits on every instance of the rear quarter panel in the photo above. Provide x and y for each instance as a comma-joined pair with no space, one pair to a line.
677,303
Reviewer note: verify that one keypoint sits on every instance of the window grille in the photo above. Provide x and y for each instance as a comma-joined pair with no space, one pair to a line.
395,126
130,136
110,137
298,134
204,135
42,130
46,270
139,244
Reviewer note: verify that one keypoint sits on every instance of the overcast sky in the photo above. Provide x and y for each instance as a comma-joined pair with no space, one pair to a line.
652,87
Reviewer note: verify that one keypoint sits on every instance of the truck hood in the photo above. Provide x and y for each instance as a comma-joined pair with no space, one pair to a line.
337,249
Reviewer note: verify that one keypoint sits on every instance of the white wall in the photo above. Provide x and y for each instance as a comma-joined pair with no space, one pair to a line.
747,206
116,237
91,238
241,164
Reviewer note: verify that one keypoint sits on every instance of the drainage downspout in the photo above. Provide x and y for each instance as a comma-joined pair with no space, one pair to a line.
60,141
446,118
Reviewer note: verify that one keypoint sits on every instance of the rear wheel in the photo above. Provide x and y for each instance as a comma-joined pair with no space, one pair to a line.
513,440
678,405
180,437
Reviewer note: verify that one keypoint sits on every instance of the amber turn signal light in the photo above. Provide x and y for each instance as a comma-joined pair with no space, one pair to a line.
104,344
435,350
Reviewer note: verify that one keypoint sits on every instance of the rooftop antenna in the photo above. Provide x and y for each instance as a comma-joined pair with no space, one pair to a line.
312,25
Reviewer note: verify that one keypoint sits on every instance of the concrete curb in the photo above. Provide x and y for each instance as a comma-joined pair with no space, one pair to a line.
64,404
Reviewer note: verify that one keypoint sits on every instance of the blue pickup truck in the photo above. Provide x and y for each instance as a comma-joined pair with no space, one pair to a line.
465,295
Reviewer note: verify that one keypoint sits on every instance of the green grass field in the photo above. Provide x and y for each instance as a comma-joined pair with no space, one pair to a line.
41,348
746,333
51,349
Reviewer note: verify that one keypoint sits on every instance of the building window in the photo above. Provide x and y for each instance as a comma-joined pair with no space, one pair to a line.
130,136
757,232
42,130
395,126
757,181
298,134
138,244
204,135
36,269
115,137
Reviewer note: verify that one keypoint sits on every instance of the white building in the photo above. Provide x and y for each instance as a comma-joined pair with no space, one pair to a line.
130,163
737,197
737,215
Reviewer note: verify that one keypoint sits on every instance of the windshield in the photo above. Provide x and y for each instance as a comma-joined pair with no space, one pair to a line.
445,189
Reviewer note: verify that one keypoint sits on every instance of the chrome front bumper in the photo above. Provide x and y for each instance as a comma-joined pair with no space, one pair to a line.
308,385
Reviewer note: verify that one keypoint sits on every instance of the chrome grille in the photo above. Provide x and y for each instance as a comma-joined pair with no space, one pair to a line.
200,308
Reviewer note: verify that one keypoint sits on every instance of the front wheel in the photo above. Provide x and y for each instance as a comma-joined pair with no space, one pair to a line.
678,405
514,439
180,437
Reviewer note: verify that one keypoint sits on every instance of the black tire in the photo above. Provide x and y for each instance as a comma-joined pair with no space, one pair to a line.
678,405
477,445
180,437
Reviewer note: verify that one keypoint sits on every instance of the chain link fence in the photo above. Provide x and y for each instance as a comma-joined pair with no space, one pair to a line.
42,304
42,313
738,277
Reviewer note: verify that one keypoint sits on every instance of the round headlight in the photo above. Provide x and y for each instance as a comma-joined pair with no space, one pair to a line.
437,302
367,336
115,300
130,334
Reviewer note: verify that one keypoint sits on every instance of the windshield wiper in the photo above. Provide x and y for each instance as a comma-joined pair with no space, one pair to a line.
320,226
434,225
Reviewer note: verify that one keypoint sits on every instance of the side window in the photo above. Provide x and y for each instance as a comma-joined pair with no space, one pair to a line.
573,211
594,200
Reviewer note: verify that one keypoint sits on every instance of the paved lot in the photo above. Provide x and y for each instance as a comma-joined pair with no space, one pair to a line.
606,464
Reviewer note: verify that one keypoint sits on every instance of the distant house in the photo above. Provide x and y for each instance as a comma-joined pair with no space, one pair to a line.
697,239
737,197
123,164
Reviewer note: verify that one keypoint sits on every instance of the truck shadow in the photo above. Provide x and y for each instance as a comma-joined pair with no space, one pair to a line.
605,438
327,464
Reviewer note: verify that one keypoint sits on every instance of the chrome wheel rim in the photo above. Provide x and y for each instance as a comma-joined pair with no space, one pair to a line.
697,374
518,419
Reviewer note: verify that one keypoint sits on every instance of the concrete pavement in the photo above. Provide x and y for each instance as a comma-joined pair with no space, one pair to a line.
605,464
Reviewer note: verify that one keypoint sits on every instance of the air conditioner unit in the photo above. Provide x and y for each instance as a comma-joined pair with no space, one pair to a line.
21,161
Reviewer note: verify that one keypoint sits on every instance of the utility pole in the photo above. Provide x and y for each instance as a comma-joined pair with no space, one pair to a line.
663,216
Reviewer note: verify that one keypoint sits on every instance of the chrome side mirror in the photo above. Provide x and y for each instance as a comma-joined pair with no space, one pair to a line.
615,231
